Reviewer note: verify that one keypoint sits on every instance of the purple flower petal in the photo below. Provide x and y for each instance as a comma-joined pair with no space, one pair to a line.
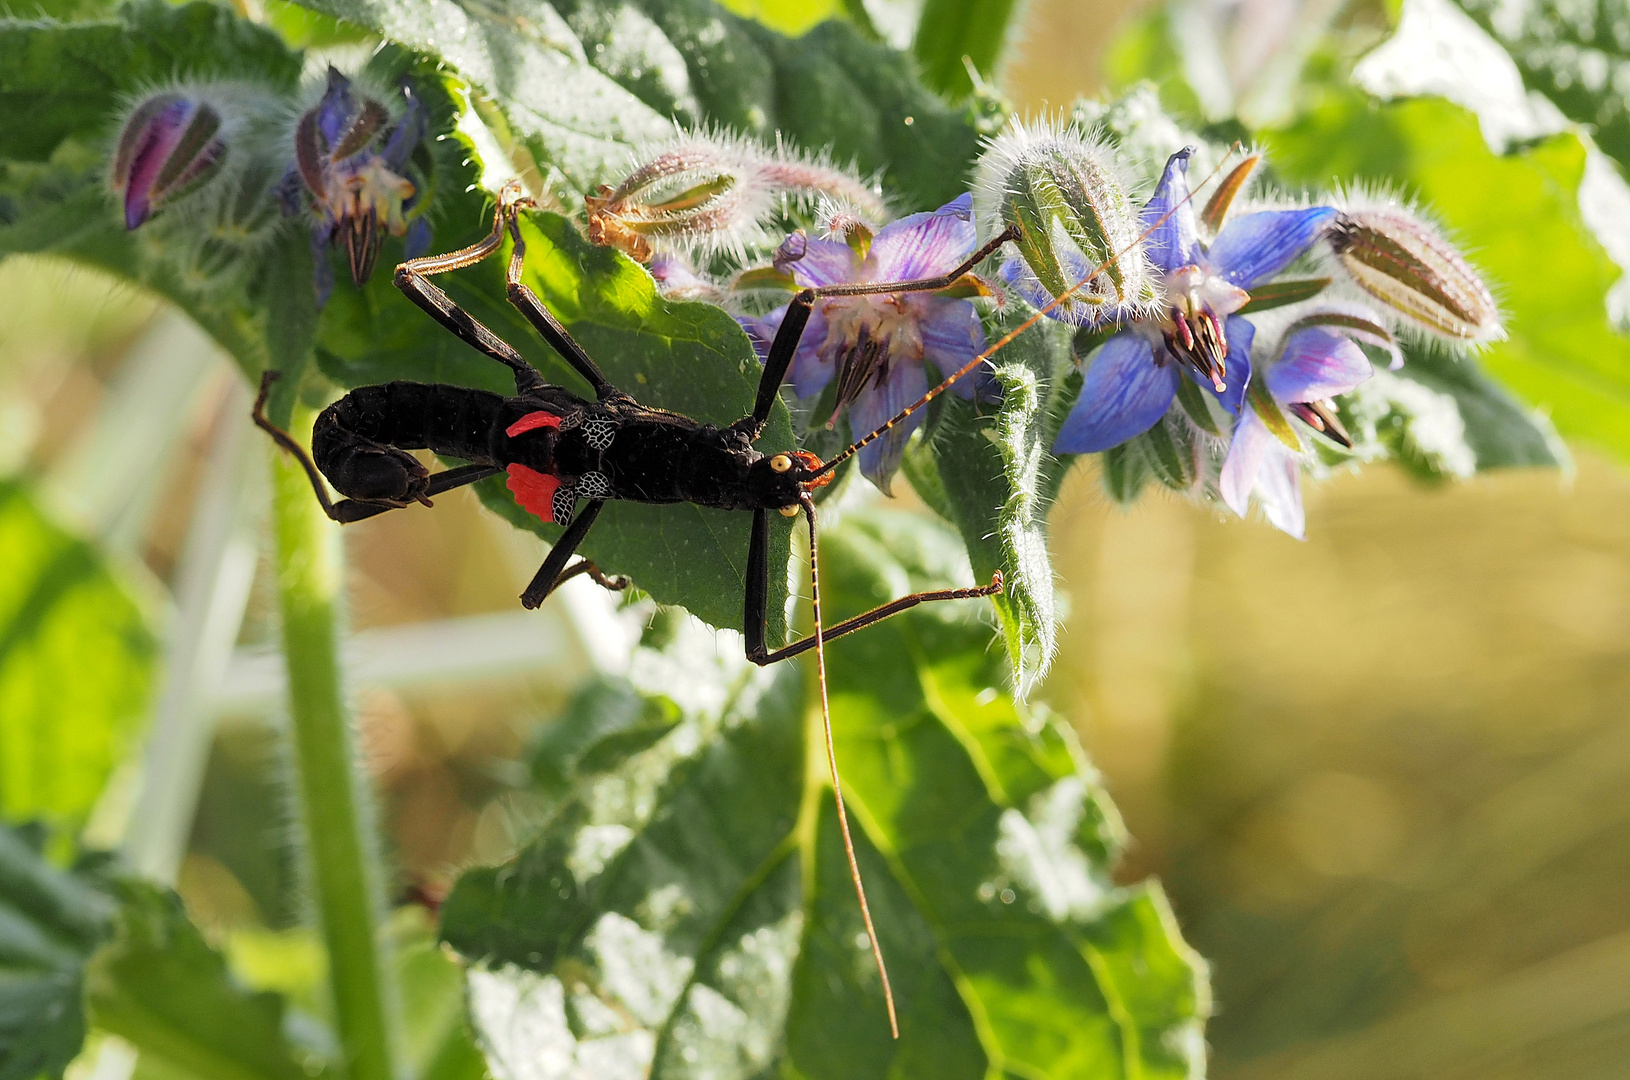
1317,363
337,108
952,335
1240,333
1173,240
1257,246
1246,453
877,405
1124,394
760,331
807,375
404,138
1279,488
157,141
1016,275
925,245
816,262
810,373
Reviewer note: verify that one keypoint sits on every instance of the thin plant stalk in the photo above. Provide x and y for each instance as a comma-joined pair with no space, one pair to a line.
346,875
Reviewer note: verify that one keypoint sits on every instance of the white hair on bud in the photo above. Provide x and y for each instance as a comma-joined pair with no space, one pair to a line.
1088,153
213,233
1384,199
752,182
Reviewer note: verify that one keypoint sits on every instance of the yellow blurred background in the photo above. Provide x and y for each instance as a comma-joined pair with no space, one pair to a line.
1385,774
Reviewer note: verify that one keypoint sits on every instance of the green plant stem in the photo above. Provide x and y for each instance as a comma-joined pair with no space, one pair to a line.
345,869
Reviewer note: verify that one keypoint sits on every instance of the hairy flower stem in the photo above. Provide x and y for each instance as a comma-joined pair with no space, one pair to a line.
345,871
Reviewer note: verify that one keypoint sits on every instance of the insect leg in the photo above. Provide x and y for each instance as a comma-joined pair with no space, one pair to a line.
931,284
546,324
413,278
550,574
348,510
782,350
757,599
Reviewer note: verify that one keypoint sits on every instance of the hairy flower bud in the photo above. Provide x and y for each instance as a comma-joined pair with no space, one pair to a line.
1078,229
170,145
706,192
1407,264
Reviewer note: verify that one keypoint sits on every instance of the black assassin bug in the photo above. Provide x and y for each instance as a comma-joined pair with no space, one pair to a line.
559,449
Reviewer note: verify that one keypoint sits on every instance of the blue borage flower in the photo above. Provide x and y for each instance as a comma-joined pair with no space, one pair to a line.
877,346
1194,330
352,161
1318,363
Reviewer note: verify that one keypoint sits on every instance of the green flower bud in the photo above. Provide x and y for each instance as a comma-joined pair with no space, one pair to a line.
1078,229
1407,264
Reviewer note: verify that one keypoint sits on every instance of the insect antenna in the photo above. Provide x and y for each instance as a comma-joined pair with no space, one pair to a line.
832,764
973,365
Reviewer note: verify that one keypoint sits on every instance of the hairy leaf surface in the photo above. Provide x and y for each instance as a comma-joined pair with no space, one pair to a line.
689,911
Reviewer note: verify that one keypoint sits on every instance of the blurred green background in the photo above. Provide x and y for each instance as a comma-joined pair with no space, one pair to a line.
1385,774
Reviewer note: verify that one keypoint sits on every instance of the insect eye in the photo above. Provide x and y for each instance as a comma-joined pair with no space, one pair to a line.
781,463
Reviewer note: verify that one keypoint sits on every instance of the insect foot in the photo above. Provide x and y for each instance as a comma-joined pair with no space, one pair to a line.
1062,194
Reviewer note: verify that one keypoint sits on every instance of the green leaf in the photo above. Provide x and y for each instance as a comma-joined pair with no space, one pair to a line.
1576,55
831,90
76,660
607,721
952,32
578,122
1499,431
161,987
50,922
690,913
70,80
1519,215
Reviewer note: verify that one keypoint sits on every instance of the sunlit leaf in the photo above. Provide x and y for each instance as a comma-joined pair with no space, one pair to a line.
832,90
76,660
1578,55
689,912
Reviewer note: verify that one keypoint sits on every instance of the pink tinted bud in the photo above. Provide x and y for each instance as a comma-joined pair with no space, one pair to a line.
1408,265
170,144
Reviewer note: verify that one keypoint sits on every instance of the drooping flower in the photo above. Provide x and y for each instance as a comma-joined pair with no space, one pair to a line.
1317,364
1193,331
352,161
876,347
169,145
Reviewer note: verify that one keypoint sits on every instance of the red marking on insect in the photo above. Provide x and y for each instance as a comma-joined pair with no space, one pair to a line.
531,421
535,491
810,463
